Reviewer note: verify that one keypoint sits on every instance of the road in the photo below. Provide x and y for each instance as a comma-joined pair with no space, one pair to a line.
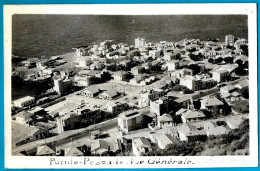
63,136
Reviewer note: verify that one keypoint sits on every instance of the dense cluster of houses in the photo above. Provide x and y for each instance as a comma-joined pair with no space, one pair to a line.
173,116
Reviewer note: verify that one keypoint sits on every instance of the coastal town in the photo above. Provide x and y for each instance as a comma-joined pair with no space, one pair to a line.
146,99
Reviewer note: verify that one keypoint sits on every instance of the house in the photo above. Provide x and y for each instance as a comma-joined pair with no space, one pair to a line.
234,122
151,95
209,125
45,151
25,101
113,107
137,79
137,70
165,121
108,94
227,89
130,120
140,146
160,106
83,80
220,75
99,147
91,91
168,56
38,133
96,65
188,132
120,76
165,139
210,101
73,151
30,63
218,130
197,82
154,53
173,65
192,115
23,118
181,73
37,111
242,84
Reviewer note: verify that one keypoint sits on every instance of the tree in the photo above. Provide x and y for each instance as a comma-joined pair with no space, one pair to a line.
245,93
195,68
178,56
239,62
210,60
245,49
218,60
229,60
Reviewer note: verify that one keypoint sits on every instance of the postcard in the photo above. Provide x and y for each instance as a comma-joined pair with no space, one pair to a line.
131,86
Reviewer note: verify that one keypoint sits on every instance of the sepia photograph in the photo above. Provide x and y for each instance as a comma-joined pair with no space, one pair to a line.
146,87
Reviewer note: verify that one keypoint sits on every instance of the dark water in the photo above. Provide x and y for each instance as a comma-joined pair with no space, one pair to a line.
46,35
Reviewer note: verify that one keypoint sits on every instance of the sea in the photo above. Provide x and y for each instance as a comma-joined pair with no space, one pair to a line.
49,35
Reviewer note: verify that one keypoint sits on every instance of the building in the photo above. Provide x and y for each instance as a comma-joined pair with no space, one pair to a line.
181,73
234,122
210,101
83,80
164,140
120,76
25,101
23,118
218,130
38,133
242,84
227,89
229,40
197,82
130,120
173,65
168,56
192,116
81,51
140,42
108,94
114,107
97,65
140,146
37,111
165,121
188,132
154,53
101,146
45,151
220,75
209,125
91,91
160,106
137,70
73,151
151,95
62,86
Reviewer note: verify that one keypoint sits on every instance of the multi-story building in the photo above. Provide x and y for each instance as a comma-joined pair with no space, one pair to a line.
229,40
160,106
139,42
62,86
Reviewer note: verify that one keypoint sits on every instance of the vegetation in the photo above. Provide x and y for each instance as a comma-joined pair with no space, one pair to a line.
184,89
241,106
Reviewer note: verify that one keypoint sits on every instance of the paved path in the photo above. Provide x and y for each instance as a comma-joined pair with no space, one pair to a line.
63,136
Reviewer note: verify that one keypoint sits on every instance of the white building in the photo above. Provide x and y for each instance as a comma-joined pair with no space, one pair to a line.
139,42
140,146
25,101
